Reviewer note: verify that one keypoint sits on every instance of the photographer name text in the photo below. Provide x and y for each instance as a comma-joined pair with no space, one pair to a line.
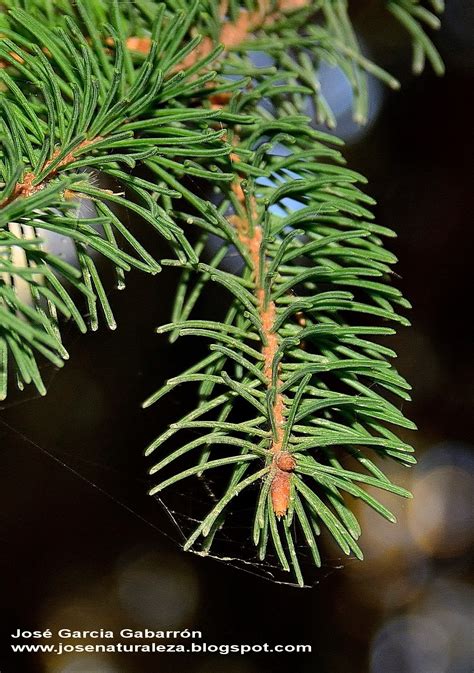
104,634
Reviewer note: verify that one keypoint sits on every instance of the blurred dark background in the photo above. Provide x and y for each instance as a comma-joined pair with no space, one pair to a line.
84,547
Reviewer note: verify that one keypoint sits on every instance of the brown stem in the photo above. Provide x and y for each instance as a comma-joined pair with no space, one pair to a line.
232,33
282,463
26,187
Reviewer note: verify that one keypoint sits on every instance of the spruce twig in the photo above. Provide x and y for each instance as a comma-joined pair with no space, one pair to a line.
114,105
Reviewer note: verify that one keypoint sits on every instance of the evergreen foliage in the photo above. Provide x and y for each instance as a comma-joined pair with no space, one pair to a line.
108,107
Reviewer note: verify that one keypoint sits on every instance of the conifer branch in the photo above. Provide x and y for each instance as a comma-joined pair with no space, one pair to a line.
113,106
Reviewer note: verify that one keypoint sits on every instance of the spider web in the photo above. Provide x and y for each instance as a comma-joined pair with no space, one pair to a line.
182,508
232,543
